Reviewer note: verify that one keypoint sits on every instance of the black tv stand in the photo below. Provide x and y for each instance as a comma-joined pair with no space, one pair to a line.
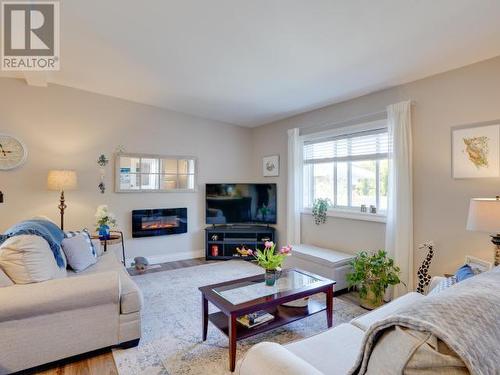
222,241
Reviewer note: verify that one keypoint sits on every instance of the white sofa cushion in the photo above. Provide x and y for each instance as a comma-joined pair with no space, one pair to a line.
131,299
4,280
272,358
332,352
321,255
29,259
367,320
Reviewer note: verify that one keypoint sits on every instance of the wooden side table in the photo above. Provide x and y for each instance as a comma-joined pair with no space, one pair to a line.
115,237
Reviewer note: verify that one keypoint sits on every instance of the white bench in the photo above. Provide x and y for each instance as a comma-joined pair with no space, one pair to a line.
332,264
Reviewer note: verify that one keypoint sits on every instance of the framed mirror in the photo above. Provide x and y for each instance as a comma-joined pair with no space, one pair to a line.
136,173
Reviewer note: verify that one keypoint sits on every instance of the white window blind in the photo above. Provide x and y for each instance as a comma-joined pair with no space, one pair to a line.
368,145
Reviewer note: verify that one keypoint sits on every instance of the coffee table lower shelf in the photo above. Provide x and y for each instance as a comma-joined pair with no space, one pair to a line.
282,315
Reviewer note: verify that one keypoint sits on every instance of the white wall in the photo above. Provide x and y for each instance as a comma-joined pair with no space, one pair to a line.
463,96
348,235
68,128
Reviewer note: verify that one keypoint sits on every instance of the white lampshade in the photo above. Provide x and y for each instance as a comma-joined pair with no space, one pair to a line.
62,180
484,215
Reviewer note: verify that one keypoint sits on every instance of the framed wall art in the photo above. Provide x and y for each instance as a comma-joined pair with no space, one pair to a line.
476,151
271,166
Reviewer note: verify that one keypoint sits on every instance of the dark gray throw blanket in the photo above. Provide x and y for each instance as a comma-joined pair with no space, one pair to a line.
43,228
465,316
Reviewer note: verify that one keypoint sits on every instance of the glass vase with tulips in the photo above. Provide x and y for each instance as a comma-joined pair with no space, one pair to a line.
271,260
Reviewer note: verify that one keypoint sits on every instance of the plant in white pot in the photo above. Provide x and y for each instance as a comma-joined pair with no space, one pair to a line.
372,274
319,210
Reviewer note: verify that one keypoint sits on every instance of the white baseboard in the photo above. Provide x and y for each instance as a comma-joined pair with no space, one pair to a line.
164,258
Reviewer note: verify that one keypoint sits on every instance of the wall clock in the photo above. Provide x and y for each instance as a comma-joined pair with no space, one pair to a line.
13,152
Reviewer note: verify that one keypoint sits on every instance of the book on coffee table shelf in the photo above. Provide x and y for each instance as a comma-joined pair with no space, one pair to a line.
255,319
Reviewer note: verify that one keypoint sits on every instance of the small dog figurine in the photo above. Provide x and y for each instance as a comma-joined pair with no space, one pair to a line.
141,263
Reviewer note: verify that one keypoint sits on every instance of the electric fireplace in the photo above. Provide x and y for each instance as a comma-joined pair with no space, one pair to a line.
159,222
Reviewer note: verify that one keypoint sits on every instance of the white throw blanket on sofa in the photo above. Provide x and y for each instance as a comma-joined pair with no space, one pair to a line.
466,317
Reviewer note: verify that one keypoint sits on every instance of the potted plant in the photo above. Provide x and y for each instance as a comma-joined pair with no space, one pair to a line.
372,274
319,209
104,221
271,260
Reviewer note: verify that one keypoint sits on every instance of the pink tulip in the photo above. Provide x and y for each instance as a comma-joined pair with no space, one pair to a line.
249,252
269,244
286,250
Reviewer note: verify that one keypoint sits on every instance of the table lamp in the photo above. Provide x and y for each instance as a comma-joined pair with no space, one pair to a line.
484,216
61,180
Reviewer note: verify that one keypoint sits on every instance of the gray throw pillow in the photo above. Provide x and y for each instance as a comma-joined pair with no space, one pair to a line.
78,252
69,234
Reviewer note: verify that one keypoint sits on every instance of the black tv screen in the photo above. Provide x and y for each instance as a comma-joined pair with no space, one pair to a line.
241,203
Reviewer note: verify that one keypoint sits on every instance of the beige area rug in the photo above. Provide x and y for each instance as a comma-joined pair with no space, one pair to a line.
171,339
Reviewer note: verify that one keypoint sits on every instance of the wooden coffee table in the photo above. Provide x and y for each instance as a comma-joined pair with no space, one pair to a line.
239,297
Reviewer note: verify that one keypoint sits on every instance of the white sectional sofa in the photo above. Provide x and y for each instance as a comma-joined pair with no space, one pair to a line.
332,352
332,264
56,319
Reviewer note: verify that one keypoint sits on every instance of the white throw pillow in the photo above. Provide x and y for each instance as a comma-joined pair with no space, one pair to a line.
28,259
79,252
4,280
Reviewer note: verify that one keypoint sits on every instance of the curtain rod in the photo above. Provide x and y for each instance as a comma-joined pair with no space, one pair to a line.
380,115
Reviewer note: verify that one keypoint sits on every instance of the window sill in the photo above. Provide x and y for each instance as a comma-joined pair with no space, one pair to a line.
353,215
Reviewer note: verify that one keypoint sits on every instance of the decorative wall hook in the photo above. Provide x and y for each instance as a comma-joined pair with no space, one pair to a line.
102,161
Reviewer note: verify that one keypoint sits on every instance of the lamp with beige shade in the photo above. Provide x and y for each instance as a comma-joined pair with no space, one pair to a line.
484,216
61,180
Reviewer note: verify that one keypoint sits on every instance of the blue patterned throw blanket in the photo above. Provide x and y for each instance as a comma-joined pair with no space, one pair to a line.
43,228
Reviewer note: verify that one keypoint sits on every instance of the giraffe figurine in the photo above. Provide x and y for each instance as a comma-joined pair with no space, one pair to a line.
423,272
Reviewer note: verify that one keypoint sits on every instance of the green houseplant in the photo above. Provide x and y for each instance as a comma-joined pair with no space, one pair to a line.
319,209
372,274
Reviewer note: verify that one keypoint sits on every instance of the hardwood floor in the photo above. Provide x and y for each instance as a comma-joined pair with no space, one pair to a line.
103,364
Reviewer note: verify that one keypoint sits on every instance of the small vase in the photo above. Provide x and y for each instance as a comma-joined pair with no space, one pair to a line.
104,232
271,276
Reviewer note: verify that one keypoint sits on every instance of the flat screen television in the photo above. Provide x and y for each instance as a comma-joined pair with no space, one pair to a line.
241,203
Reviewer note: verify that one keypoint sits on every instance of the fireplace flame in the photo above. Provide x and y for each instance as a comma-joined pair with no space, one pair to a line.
163,222
158,226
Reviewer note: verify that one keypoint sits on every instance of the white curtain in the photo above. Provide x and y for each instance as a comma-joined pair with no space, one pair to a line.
399,228
294,187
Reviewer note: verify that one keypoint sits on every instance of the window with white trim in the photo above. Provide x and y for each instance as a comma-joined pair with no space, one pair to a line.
349,169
